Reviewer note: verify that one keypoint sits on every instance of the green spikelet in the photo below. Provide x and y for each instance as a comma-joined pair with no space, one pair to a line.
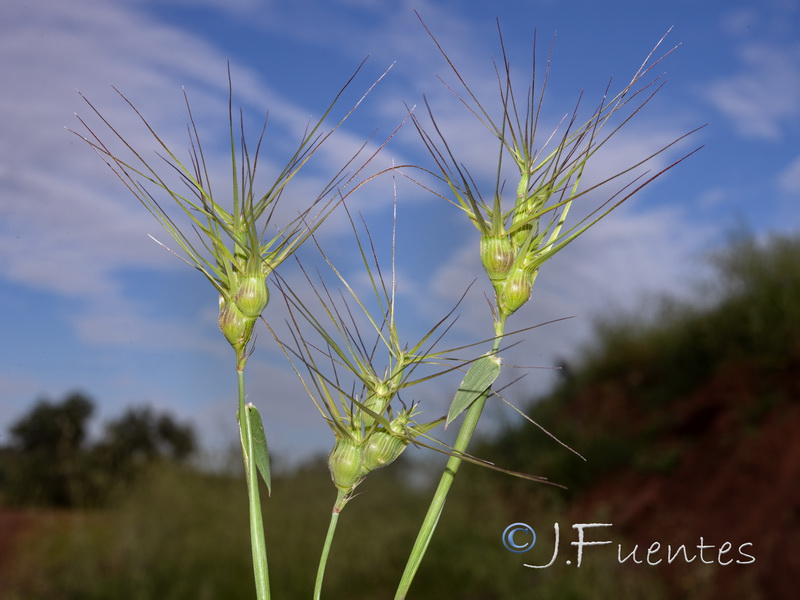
382,448
252,295
516,290
497,256
235,326
346,464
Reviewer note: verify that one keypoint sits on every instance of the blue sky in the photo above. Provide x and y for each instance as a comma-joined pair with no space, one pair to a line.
89,302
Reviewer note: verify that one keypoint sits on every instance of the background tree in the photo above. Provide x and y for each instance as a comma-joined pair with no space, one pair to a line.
47,456
140,437
50,461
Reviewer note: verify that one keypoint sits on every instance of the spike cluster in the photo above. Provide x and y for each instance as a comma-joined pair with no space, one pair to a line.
237,317
359,399
364,443
511,277
235,256
516,240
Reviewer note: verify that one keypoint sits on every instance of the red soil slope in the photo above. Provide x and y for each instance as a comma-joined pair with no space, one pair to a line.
737,480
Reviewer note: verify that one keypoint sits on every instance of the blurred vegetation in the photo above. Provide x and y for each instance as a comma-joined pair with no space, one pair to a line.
752,314
182,534
618,398
178,532
50,462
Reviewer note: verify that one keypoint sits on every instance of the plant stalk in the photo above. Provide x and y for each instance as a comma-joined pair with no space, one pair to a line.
471,418
257,541
341,500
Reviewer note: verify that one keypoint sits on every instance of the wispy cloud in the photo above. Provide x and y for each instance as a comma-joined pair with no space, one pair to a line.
763,99
789,177
68,226
68,219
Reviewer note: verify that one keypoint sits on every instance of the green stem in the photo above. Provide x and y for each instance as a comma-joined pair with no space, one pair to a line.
473,415
341,500
257,540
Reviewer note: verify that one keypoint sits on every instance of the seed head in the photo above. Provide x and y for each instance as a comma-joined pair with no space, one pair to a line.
528,227
233,252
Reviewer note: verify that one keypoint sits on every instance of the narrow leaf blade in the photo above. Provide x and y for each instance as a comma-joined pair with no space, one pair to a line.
260,452
479,378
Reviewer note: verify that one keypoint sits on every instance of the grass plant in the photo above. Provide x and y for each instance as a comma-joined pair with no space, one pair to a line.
237,251
518,235
347,350
357,378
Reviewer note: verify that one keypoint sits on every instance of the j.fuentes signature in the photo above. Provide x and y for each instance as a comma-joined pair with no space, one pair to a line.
521,537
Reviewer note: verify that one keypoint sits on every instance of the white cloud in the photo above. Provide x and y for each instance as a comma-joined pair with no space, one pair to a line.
789,178
763,98
68,225
712,198
66,222
740,21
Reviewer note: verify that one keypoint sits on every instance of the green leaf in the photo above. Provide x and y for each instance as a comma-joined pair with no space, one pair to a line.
260,452
479,378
